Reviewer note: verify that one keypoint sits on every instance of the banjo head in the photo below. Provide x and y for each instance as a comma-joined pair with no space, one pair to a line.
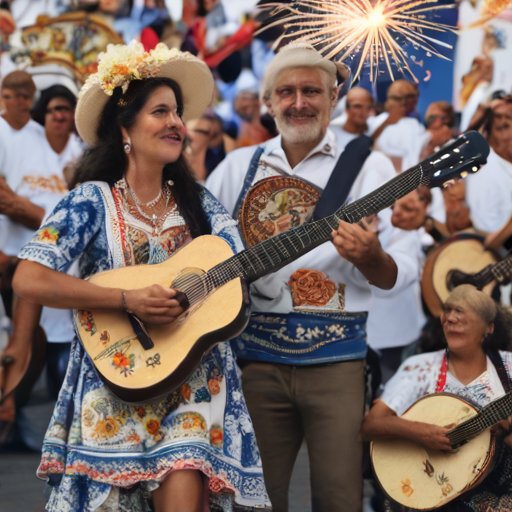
422,478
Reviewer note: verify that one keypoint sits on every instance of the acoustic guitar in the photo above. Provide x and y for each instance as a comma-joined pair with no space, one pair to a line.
425,479
461,255
141,367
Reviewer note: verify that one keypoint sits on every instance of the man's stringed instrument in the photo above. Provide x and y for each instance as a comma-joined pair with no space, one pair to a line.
139,370
501,272
459,256
425,479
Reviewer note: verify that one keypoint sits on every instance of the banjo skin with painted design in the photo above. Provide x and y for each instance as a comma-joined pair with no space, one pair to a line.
143,367
425,479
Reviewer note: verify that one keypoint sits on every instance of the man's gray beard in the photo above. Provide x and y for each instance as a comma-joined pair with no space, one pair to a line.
299,134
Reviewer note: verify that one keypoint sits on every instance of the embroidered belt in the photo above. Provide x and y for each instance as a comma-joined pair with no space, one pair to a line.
301,338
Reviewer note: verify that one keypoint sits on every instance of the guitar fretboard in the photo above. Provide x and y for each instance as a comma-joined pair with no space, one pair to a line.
487,417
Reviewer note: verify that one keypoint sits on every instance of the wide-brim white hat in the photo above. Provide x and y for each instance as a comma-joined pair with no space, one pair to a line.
122,64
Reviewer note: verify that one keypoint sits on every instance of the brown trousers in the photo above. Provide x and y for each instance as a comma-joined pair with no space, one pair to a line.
323,404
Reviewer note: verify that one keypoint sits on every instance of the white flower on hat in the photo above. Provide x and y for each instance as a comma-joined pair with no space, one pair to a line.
121,64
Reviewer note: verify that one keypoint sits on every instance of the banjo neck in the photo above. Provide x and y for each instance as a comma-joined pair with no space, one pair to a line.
503,269
488,416
500,272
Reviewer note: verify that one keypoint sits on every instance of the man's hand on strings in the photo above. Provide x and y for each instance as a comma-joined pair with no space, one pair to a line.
358,243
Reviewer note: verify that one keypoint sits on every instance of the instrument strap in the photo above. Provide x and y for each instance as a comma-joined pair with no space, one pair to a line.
249,178
496,360
441,381
120,219
343,176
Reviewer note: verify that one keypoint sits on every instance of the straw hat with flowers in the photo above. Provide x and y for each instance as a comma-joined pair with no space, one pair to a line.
122,64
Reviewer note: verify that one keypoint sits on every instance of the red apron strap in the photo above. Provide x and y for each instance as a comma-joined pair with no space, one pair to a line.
441,381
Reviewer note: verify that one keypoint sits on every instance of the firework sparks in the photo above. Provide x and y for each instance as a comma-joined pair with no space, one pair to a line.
341,28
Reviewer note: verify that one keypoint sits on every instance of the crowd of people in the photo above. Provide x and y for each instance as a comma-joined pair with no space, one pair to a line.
270,141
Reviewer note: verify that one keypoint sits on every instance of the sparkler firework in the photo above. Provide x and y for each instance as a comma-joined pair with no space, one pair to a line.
376,32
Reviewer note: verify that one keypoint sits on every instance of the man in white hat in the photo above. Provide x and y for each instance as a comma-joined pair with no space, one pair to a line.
303,352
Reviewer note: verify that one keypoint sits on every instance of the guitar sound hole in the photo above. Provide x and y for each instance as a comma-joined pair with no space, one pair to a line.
192,282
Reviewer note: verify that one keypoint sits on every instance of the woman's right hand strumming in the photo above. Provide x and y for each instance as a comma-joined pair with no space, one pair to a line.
155,304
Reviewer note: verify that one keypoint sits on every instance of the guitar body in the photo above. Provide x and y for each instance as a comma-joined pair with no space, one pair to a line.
136,375
425,479
464,252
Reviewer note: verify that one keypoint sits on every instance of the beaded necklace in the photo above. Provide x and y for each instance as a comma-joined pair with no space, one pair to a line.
156,219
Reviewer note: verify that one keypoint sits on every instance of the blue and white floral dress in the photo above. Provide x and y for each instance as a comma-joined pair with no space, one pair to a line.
101,454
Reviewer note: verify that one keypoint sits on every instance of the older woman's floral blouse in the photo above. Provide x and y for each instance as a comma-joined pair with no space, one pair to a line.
418,376
104,455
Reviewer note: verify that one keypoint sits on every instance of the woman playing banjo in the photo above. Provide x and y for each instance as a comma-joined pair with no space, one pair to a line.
139,203
477,366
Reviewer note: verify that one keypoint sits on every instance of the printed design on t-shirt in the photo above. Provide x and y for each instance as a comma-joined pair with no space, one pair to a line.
275,205
53,184
48,235
313,290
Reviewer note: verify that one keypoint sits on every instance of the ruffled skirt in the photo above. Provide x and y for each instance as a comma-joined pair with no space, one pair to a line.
101,454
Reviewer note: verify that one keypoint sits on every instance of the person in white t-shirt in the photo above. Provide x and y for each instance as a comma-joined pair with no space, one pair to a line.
395,319
489,192
34,179
395,132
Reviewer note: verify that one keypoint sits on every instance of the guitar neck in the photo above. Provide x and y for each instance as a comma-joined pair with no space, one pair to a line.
487,417
282,249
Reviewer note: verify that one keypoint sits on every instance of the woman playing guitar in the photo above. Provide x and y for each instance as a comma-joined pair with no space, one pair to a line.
138,203
477,366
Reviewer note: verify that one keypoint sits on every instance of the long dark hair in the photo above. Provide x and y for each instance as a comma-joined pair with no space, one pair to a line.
108,161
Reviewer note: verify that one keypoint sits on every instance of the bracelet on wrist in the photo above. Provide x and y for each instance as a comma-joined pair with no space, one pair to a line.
125,304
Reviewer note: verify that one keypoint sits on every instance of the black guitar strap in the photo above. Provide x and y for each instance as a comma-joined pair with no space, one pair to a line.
497,361
343,177
338,187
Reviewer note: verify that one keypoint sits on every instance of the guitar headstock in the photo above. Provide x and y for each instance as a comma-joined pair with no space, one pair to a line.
456,159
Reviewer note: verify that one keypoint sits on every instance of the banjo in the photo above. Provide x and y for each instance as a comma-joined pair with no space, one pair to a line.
457,258
425,479
500,272
144,363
